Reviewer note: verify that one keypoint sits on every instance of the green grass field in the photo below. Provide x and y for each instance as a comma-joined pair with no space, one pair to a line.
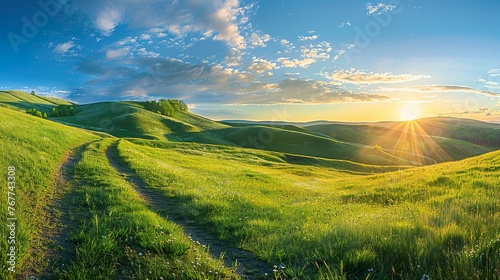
118,236
35,148
151,197
441,220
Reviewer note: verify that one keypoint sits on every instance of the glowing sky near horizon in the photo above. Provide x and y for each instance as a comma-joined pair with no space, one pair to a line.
262,60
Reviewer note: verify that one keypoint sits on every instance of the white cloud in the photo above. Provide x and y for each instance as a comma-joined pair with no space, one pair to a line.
223,21
145,37
260,66
308,38
234,57
347,23
378,8
174,78
64,48
316,52
218,20
284,42
107,20
304,63
362,77
494,72
492,85
341,52
144,52
454,88
259,41
128,40
309,54
155,30
117,53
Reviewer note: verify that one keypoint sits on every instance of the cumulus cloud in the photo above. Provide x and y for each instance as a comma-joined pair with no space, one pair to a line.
378,8
304,63
362,77
111,54
259,40
64,48
319,51
145,37
107,20
234,57
218,20
309,54
141,77
455,88
284,42
260,66
308,38
315,92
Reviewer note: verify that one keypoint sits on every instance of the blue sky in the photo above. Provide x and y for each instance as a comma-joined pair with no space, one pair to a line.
262,60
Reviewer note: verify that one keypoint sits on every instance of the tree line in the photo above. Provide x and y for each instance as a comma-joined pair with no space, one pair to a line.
476,135
166,107
59,111
35,112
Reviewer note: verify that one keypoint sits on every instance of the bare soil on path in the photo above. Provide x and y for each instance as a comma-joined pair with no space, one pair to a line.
53,246
247,264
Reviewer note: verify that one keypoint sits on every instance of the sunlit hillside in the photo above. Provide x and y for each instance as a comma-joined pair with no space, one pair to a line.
116,191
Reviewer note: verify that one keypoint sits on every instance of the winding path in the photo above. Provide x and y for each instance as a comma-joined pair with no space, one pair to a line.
248,265
59,250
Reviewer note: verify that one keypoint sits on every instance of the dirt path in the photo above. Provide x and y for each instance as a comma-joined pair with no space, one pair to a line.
248,265
58,250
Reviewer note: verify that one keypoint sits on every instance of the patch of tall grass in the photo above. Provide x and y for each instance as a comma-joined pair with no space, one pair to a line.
120,237
440,220
35,147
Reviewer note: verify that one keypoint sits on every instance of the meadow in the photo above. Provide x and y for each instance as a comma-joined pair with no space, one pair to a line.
35,148
441,220
130,194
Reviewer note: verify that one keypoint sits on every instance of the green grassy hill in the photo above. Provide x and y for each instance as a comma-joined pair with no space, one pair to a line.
21,101
307,144
285,196
121,119
405,141
440,220
34,148
130,119
422,143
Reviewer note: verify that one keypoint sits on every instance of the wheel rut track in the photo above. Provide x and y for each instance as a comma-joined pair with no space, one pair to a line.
60,251
248,265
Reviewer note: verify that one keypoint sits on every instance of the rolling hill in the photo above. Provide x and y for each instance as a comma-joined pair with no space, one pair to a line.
407,141
387,143
152,197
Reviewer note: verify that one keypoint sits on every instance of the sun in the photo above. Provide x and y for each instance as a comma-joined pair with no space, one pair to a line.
409,112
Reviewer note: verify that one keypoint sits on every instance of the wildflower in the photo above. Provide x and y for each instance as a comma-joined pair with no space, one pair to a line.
425,277
370,269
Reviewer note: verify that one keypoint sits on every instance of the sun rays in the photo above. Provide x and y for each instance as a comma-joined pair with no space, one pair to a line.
409,144
416,146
